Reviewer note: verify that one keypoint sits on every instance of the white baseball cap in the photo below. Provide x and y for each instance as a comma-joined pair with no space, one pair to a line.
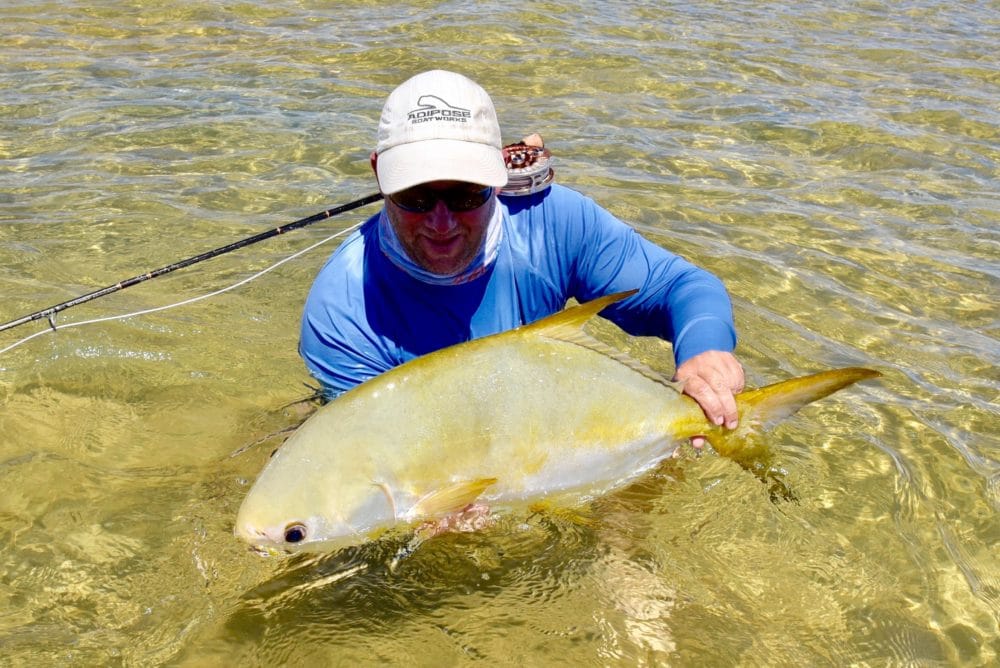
439,126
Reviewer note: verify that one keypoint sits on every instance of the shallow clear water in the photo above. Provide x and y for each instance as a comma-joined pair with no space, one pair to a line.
837,165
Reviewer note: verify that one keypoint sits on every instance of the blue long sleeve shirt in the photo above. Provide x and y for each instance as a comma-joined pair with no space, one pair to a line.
364,316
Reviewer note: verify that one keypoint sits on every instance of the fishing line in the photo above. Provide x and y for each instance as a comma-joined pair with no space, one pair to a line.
53,327
135,280
529,170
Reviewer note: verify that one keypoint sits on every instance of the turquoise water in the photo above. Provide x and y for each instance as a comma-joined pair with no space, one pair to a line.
837,165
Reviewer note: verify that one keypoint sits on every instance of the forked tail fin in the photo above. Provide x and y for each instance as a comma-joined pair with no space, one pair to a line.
764,407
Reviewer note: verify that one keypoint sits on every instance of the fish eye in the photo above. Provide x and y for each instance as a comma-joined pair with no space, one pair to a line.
295,533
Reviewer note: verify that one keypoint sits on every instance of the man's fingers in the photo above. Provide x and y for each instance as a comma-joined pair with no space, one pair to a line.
730,413
713,378
708,398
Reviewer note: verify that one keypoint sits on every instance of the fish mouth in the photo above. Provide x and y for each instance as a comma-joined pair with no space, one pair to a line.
267,550
260,544
259,541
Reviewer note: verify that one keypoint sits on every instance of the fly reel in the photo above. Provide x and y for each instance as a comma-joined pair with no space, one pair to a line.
529,169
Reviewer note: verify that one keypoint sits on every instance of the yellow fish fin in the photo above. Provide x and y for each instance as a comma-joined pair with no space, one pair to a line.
583,339
571,319
762,408
567,326
450,499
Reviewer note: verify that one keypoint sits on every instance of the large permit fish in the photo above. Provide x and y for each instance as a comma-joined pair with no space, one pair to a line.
543,411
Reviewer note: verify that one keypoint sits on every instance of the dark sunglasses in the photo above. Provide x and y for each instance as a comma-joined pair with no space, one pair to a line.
420,199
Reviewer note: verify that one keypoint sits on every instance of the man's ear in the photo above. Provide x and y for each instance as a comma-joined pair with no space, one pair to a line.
373,159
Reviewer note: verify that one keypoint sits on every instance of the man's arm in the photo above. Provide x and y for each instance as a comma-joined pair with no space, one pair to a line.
678,302
335,340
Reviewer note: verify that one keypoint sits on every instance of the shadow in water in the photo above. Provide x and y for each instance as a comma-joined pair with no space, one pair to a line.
369,593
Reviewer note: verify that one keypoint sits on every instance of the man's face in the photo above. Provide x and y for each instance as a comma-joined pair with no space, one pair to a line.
440,240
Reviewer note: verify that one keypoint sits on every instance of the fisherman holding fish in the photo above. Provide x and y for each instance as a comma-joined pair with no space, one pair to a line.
475,393
451,258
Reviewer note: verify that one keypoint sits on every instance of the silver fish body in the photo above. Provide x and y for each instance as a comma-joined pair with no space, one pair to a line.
539,412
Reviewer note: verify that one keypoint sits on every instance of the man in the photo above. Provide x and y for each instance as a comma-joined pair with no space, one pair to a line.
448,259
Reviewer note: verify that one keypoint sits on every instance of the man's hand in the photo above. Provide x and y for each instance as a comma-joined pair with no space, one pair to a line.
712,379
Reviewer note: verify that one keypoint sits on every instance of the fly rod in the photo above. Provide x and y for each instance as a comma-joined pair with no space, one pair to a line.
121,285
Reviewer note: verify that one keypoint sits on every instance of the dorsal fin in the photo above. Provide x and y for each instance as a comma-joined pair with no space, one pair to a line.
570,320
567,325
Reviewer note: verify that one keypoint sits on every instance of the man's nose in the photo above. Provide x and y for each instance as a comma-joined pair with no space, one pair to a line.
440,219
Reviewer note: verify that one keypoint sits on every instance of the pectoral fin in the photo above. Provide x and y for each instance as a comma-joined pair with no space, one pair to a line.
450,499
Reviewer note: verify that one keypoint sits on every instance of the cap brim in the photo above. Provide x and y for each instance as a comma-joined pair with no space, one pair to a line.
407,165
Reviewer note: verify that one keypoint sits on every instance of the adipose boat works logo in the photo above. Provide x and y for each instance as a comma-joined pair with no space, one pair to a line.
433,108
